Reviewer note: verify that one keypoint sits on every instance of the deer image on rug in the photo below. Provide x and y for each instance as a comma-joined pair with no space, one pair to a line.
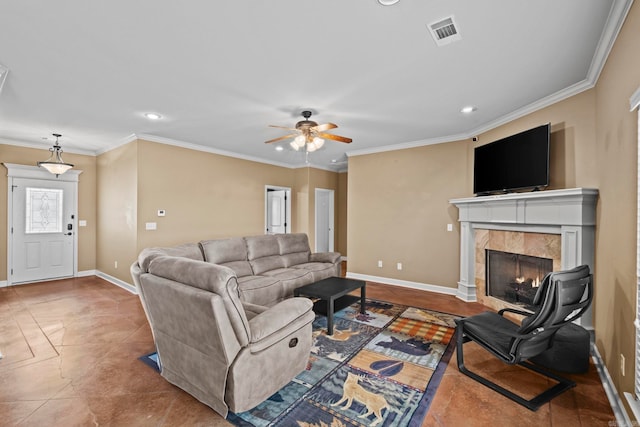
374,403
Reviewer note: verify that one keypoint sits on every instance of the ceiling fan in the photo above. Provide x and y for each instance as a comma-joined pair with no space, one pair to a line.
309,134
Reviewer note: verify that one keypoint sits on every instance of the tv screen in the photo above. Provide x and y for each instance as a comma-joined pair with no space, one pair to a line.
517,162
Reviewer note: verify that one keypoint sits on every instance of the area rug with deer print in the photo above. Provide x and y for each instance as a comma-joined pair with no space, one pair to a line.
380,368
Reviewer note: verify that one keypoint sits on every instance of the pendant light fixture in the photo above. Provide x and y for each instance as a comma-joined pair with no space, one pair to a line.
54,163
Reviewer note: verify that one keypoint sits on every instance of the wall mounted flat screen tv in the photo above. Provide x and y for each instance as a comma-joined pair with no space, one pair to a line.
517,162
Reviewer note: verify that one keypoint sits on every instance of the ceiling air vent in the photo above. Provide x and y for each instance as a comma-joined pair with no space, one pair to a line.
445,31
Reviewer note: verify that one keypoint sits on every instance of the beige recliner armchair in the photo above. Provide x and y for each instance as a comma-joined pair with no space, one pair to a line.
228,354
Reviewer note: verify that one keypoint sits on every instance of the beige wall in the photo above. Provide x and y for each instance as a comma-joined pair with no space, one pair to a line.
398,211
117,210
204,195
86,201
341,207
573,139
615,171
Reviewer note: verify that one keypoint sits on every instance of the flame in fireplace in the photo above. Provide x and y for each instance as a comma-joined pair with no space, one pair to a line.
535,283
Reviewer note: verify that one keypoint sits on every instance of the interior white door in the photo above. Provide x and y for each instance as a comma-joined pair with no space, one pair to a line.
276,212
324,220
42,229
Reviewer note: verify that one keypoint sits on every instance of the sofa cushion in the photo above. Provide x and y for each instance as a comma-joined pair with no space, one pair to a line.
260,290
294,248
263,253
290,278
230,253
319,270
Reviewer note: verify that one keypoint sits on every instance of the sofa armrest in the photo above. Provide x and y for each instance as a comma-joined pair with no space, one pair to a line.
332,257
277,322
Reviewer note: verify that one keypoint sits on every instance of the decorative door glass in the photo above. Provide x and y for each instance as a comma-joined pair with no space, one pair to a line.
43,210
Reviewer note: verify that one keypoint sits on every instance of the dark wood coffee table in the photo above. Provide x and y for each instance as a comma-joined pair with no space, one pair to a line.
332,293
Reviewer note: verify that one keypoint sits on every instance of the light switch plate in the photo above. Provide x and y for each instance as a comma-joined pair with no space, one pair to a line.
151,226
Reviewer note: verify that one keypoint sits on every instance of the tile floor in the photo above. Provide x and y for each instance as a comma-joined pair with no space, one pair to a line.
71,351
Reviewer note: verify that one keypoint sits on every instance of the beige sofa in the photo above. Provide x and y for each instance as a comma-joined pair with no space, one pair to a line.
226,327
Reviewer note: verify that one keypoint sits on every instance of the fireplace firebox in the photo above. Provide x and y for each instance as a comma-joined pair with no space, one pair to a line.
515,278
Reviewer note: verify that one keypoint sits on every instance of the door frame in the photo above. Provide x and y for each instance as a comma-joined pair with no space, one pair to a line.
287,215
35,172
331,219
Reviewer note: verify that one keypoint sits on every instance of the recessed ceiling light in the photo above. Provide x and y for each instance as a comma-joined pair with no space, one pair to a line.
388,2
153,116
279,148
468,109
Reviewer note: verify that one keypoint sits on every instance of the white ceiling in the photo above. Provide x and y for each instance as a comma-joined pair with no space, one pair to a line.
220,73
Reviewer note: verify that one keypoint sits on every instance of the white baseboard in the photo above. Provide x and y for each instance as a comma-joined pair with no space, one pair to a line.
3,283
622,418
87,273
403,283
124,285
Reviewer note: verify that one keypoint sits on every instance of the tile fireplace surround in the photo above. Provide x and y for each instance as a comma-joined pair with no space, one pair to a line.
522,221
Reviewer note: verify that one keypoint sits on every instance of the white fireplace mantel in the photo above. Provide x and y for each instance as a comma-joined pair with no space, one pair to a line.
569,212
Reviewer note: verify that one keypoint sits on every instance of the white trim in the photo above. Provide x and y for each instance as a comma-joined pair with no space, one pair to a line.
35,172
404,283
196,147
120,283
617,15
3,283
38,146
87,273
622,419
634,101
124,141
288,217
615,20
331,218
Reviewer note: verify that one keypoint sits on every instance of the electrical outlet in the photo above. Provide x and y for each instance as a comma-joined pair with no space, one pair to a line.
399,266
115,264
449,227
380,263
622,364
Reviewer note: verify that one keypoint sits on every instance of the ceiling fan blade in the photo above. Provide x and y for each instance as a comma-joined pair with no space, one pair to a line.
281,138
335,137
282,127
326,126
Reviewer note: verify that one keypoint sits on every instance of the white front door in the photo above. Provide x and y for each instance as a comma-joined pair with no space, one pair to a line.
276,212
42,228
324,220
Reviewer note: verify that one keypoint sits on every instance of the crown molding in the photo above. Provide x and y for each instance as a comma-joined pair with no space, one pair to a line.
39,146
615,20
634,101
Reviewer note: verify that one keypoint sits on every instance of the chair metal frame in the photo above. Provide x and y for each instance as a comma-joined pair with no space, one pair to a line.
556,305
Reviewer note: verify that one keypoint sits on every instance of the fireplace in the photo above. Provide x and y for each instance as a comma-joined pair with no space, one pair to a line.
556,224
515,278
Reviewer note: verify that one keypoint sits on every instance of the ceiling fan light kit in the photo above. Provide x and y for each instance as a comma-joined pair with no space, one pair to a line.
309,134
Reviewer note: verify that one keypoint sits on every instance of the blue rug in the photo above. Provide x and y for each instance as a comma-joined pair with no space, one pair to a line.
381,368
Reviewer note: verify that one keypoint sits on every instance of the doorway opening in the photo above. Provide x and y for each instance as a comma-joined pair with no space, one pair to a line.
277,211
324,228
42,212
